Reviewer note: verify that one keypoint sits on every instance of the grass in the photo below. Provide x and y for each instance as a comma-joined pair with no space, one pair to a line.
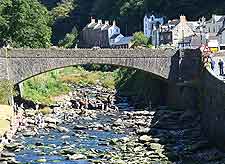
43,88
6,90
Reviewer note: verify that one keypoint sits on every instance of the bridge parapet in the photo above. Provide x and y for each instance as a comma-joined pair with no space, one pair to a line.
21,64
89,53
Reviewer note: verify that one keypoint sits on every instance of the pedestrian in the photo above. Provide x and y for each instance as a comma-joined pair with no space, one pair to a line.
221,66
212,62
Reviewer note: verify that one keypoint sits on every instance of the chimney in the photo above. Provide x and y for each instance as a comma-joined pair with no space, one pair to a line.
114,23
183,19
99,21
92,20
106,22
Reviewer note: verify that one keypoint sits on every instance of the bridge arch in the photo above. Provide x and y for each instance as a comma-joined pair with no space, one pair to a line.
25,63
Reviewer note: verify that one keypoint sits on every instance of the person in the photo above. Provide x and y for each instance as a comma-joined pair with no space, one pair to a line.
212,62
221,66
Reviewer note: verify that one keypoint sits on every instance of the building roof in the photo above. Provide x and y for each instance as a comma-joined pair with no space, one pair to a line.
220,31
173,22
221,19
217,18
106,27
123,41
98,26
193,25
151,14
114,36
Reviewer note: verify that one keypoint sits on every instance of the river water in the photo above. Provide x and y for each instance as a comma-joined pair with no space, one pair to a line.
129,136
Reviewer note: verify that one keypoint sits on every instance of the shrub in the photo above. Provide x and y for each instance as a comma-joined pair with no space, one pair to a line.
6,91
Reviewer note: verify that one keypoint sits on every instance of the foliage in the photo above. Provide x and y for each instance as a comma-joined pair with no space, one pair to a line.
70,39
140,39
63,9
24,23
6,91
42,87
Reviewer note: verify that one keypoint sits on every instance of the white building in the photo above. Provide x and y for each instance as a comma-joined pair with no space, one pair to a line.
150,23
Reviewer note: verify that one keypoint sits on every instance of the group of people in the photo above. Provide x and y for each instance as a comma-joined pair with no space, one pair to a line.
212,63
87,103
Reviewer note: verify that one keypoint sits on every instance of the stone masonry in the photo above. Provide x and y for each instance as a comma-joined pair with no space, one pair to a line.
18,65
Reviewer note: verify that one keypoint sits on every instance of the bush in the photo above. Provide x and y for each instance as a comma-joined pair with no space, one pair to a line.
6,91
140,39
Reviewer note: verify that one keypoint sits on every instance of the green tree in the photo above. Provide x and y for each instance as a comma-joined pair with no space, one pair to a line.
63,9
70,39
25,23
140,39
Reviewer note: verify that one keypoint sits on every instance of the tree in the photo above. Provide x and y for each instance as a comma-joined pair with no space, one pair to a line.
25,23
140,39
63,9
70,39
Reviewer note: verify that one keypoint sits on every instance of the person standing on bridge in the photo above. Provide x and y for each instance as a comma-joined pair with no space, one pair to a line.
212,62
221,66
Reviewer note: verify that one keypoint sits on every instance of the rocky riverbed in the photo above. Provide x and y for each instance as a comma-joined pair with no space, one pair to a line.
116,134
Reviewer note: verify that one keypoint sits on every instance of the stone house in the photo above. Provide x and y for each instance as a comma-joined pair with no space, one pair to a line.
221,36
95,34
150,23
101,35
214,24
177,32
180,31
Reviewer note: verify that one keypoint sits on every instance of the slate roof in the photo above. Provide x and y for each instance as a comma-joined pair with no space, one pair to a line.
114,36
124,41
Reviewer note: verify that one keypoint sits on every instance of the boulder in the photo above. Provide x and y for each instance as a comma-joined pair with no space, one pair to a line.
77,157
145,138
63,129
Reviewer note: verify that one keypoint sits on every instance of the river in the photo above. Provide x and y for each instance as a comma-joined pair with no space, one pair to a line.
124,136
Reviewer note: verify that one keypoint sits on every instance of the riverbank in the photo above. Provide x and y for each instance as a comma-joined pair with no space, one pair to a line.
124,135
6,114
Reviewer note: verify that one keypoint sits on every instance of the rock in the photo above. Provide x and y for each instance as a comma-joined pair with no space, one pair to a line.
77,157
7,154
30,121
39,144
67,151
30,113
51,126
156,146
145,138
79,127
29,133
142,113
65,137
143,130
118,122
51,120
42,160
12,146
141,123
63,129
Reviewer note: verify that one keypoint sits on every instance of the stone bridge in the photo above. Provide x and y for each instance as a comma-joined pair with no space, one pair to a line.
18,65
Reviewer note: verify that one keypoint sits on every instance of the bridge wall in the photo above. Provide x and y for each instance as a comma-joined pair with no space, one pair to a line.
3,65
25,63
213,108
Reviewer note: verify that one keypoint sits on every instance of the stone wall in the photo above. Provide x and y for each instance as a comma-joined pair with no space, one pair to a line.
25,63
213,108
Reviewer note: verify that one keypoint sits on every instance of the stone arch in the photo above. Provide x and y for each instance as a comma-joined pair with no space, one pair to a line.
25,63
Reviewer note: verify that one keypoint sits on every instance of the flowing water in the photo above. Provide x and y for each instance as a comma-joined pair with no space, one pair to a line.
127,136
